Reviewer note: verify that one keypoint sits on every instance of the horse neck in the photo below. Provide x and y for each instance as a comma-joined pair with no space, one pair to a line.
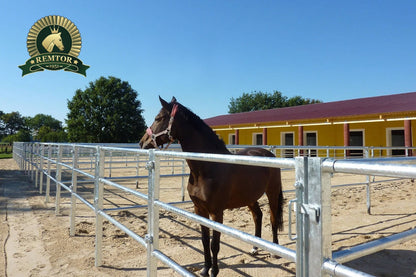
193,140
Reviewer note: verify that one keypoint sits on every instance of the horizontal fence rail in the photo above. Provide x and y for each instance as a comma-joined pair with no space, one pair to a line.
84,169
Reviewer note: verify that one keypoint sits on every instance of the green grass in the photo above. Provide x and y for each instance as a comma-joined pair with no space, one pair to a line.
6,155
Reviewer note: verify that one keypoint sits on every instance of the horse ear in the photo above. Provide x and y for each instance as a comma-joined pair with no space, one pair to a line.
173,100
164,103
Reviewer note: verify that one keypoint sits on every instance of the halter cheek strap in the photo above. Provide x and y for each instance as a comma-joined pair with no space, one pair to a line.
165,132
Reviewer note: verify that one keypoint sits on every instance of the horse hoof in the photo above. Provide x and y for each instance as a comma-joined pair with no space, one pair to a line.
204,272
254,251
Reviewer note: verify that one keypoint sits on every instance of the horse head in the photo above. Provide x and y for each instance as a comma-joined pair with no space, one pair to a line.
161,131
54,39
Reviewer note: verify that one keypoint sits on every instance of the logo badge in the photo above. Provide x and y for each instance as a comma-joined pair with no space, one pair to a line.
54,43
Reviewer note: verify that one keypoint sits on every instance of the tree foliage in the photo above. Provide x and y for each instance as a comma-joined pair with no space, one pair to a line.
11,123
45,128
263,101
21,135
43,120
106,111
41,127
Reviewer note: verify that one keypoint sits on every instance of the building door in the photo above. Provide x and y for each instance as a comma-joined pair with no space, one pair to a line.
231,139
288,141
356,139
397,139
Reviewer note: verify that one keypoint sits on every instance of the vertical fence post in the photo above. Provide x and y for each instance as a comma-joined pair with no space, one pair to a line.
318,210
98,203
152,237
368,183
183,181
301,179
29,161
36,164
74,185
58,178
32,161
137,170
26,160
42,154
48,178
110,163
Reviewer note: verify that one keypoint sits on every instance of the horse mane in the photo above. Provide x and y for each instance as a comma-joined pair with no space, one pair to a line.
202,127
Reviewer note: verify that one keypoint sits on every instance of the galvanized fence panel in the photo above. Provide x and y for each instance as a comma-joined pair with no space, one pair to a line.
313,254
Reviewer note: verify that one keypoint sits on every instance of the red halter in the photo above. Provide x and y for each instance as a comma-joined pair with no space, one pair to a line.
165,132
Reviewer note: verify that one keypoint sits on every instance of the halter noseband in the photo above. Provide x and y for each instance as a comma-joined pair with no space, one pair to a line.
165,132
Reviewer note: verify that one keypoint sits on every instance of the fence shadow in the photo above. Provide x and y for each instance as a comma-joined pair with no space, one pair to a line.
387,263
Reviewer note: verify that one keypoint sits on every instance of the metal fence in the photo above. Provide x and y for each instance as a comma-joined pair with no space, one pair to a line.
311,208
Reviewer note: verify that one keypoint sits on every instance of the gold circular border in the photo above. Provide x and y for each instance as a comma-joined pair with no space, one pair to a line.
54,20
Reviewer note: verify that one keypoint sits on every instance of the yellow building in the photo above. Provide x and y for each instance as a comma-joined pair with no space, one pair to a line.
383,121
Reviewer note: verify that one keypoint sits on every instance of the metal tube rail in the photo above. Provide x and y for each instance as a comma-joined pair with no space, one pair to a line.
277,249
234,159
171,263
335,269
79,197
123,228
373,246
145,176
125,189
365,167
77,170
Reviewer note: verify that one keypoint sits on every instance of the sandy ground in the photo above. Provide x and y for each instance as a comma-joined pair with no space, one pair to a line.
36,242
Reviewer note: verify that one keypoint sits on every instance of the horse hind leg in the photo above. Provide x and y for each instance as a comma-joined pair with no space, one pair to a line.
257,217
276,213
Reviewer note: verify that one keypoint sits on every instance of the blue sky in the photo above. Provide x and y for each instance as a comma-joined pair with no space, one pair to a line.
206,52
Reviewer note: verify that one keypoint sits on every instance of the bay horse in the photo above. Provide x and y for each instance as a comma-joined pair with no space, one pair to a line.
214,187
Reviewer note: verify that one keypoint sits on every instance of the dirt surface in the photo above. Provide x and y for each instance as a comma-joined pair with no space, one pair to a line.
34,241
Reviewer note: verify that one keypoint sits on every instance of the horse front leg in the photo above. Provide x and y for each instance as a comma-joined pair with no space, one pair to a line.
207,253
205,236
215,244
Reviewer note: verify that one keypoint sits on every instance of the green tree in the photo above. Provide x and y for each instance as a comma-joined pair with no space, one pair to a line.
45,128
47,134
11,123
106,111
39,120
21,135
255,101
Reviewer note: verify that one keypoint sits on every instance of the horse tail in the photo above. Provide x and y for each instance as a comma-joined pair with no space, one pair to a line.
280,211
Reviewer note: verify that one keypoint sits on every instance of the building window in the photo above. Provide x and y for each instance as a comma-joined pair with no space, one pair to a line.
257,139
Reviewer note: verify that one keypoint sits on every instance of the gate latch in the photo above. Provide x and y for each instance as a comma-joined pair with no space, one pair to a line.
313,211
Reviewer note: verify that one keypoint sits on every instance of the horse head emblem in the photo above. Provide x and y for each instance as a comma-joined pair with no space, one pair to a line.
53,39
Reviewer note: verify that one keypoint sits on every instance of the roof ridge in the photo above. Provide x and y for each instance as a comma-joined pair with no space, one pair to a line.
359,106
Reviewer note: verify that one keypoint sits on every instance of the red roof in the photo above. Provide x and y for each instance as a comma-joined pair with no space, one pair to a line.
405,102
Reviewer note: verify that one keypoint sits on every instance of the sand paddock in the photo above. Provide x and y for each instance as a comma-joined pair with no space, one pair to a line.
36,242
